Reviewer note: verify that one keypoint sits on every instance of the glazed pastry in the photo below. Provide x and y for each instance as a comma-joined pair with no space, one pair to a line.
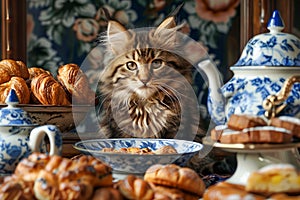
274,178
11,68
48,91
35,71
107,193
289,123
133,187
75,83
174,176
14,188
54,177
259,134
229,191
283,196
20,87
241,121
168,193
168,149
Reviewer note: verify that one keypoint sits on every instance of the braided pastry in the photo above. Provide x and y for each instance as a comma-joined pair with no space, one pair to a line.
19,85
55,177
76,83
48,91
14,188
133,187
10,68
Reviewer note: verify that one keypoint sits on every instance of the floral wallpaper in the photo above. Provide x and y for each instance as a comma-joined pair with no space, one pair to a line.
65,31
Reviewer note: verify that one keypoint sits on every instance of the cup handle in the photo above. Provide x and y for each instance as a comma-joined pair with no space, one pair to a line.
37,135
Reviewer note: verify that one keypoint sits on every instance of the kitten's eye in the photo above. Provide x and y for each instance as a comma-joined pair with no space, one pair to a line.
156,63
131,65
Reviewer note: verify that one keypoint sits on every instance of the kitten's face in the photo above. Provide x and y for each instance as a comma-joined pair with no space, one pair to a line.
144,61
145,72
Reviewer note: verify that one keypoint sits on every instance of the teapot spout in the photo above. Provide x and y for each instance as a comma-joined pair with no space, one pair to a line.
216,100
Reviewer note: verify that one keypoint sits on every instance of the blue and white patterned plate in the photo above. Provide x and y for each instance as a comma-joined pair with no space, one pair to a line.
138,164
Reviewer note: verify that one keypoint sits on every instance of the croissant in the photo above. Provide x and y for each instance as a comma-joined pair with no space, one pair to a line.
35,71
19,85
48,91
10,68
76,83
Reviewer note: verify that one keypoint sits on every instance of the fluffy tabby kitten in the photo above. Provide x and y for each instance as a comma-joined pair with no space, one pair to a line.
146,88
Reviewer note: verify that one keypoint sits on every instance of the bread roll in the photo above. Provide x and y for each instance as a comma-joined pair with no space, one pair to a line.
225,190
175,176
133,188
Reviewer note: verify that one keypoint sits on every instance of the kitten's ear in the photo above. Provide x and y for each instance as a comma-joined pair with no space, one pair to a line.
166,33
168,23
117,35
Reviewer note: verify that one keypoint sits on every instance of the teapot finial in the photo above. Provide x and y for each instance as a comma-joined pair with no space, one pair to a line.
12,98
276,23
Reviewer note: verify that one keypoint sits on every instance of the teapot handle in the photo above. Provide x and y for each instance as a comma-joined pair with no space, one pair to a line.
37,135
273,103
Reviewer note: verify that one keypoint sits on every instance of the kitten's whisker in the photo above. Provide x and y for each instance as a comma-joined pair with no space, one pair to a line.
182,95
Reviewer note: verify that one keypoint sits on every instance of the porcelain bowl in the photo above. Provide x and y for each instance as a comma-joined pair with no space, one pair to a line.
134,163
64,117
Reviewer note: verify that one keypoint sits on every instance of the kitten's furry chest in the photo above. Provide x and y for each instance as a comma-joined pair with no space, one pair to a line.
146,117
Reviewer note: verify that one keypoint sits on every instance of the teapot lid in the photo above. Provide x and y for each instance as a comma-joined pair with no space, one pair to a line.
12,115
274,48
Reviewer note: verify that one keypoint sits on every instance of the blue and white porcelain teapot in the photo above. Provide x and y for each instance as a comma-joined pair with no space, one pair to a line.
265,77
19,137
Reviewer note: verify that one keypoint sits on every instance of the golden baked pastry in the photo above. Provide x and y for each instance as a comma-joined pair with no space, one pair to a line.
48,91
107,193
283,196
174,176
11,68
289,123
225,190
55,177
168,149
14,188
168,193
75,83
20,87
241,121
35,71
259,134
274,178
133,187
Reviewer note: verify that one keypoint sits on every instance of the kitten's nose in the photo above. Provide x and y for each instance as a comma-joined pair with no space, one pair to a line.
145,80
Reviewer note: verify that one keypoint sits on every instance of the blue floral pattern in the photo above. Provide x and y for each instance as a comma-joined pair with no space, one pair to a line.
133,163
250,100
